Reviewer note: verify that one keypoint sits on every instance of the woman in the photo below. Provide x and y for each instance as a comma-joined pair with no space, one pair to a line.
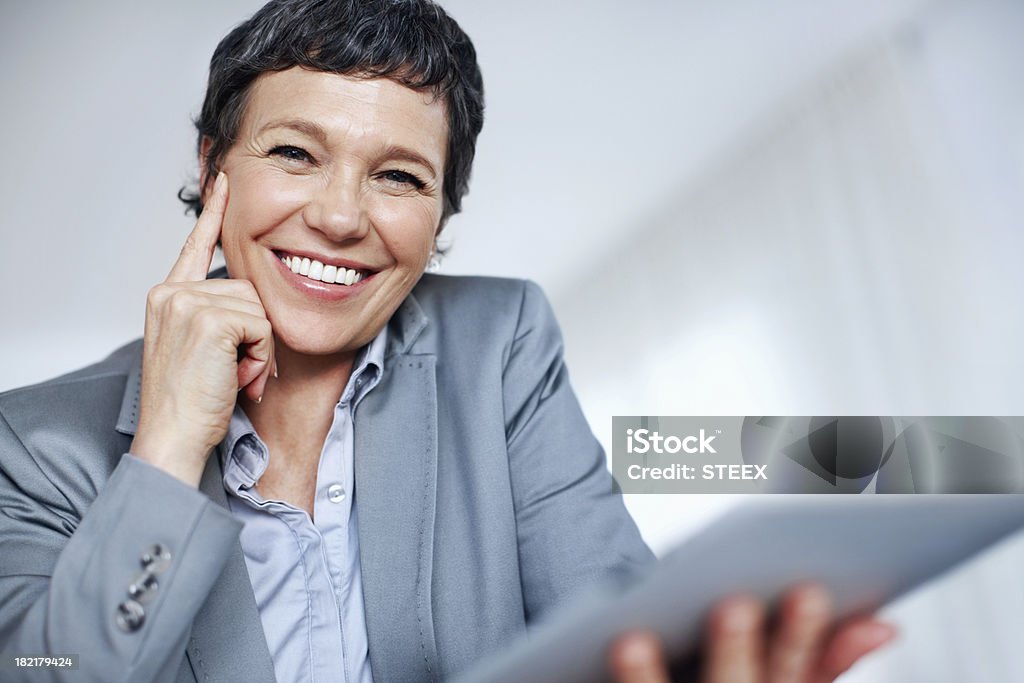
414,475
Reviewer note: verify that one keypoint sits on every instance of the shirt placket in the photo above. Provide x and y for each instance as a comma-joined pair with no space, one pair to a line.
332,507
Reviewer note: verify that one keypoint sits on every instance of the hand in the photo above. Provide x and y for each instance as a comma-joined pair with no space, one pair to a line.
204,341
802,648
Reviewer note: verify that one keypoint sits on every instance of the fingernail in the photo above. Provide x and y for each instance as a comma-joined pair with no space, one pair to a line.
219,182
814,602
638,651
882,632
739,617
259,400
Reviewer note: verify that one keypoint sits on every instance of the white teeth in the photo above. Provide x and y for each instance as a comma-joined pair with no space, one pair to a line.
316,270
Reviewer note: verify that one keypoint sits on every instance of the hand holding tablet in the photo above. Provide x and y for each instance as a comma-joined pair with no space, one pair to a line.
742,645
865,551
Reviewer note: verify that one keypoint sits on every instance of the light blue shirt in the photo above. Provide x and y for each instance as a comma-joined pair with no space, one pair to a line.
305,574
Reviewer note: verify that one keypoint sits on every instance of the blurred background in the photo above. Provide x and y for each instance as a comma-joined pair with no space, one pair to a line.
736,207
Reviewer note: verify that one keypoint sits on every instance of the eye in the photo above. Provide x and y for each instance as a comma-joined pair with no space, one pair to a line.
291,153
402,179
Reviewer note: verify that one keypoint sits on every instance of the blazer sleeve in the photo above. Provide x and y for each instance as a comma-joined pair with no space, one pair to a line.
573,529
64,581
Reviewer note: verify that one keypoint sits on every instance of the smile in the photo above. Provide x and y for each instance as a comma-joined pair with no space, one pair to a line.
315,270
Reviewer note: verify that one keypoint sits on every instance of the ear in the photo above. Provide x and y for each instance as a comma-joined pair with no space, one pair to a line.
204,177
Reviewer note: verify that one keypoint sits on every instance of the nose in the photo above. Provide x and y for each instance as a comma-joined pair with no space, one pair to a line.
337,209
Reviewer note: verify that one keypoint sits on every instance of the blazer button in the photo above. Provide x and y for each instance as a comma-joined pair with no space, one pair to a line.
144,587
156,558
130,616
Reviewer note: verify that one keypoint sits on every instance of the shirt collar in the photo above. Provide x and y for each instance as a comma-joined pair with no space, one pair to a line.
369,367
243,457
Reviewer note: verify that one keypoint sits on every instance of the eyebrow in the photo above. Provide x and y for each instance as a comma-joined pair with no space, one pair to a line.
303,126
317,132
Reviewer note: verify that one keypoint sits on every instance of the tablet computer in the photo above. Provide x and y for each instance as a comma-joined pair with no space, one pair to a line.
867,550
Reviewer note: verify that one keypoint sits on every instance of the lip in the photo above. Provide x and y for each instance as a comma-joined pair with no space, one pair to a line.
321,290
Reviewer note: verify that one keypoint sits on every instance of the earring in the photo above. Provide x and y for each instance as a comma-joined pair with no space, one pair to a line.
434,262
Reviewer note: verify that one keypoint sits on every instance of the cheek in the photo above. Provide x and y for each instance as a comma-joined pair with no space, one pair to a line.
260,199
233,235
408,229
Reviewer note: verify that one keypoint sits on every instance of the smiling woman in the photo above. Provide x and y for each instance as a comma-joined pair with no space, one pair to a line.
323,464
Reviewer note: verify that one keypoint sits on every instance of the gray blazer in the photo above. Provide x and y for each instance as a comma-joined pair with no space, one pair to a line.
484,503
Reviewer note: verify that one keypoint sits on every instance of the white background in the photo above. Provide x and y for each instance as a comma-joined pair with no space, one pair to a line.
796,207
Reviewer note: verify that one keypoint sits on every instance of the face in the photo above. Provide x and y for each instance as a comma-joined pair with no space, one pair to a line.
333,178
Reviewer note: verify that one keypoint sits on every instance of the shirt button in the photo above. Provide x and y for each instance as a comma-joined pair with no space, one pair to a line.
336,493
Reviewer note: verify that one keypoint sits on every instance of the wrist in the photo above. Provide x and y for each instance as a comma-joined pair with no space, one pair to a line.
165,455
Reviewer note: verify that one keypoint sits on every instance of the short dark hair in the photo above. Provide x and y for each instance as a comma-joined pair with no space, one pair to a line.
412,42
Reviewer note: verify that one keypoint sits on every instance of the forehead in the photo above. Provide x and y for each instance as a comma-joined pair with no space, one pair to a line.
374,110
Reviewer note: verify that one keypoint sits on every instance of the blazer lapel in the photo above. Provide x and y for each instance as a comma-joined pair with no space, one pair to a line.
227,641
396,477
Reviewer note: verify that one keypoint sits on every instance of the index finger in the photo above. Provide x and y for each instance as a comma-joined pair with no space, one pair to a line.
197,253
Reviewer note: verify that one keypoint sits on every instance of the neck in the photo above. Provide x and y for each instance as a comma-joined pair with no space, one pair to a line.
298,406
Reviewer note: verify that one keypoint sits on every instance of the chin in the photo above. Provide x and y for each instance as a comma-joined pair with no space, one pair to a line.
321,344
